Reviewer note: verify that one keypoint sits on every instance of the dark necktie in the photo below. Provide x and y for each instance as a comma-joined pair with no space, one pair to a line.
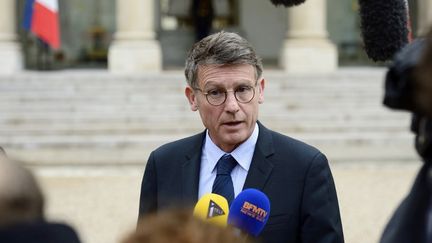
223,184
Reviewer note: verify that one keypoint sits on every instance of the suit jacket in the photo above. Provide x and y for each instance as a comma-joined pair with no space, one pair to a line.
295,176
408,223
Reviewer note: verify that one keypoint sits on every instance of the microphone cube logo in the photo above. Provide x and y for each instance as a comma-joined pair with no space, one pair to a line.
253,211
214,210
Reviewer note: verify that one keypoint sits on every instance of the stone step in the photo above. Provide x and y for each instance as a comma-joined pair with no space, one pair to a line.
343,152
119,127
99,118
162,83
154,140
179,108
169,102
345,74
307,96
108,85
275,110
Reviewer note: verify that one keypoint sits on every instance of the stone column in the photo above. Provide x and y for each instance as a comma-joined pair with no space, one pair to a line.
424,17
10,50
135,48
307,48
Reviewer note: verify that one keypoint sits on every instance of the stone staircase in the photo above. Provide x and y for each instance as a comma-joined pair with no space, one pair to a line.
80,117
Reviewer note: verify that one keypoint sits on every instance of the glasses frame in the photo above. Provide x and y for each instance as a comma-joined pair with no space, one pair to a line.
206,94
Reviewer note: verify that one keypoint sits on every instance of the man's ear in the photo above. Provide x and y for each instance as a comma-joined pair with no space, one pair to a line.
190,95
261,86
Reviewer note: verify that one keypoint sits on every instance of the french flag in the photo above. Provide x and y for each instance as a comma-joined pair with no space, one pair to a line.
41,17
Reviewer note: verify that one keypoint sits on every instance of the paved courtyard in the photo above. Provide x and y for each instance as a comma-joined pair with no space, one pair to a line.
102,203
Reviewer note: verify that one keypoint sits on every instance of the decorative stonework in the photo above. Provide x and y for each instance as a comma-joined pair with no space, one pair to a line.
424,17
10,51
307,48
135,48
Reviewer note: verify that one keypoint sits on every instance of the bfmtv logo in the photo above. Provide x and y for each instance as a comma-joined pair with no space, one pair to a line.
254,211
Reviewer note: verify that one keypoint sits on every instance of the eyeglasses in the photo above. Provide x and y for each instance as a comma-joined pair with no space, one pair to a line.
243,94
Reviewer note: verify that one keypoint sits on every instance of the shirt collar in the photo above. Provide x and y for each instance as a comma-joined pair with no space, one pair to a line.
242,154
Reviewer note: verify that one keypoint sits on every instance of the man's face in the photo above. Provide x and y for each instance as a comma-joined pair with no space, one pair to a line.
232,122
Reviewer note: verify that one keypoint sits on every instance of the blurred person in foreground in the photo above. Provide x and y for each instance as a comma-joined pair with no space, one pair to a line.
237,152
21,199
180,226
22,208
409,87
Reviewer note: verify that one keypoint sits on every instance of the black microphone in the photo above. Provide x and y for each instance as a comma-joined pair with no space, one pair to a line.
287,3
384,26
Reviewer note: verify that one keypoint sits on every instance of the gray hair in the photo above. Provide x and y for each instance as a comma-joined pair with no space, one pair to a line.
224,48
21,199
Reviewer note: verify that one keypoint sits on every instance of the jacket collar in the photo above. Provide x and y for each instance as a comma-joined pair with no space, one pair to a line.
261,166
191,169
259,171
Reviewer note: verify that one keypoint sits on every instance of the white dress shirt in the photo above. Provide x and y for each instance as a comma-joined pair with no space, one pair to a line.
210,156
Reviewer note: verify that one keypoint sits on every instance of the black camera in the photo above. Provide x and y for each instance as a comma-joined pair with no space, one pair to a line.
399,82
401,91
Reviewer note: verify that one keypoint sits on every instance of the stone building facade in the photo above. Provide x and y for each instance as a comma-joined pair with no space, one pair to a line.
129,36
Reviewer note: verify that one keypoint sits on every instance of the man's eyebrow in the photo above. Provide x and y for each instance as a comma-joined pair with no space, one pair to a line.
237,82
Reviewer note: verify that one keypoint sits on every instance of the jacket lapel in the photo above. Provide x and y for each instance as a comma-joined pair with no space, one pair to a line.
261,166
259,171
190,170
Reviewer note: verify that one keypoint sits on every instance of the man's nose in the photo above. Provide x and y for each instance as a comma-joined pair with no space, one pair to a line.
231,103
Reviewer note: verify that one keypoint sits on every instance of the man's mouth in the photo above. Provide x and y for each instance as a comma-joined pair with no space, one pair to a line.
233,123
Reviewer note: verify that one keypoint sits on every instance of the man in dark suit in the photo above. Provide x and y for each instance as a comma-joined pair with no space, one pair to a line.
225,85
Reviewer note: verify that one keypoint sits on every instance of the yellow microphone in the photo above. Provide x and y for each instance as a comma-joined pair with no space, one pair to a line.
212,208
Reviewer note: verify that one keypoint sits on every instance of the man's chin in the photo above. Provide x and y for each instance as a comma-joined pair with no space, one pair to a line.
234,139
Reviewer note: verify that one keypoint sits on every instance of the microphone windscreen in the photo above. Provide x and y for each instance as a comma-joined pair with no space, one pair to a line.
287,3
249,211
212,208
384,27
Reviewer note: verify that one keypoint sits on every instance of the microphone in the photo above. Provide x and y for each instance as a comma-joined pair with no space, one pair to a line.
385,27
212,208
249,211
287,3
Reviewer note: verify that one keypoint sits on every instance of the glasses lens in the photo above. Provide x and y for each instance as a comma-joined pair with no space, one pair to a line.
216,97
245,94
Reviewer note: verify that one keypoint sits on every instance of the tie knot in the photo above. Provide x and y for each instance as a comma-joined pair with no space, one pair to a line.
226,164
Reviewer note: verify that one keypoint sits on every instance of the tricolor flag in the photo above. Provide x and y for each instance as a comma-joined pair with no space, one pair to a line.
41,17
